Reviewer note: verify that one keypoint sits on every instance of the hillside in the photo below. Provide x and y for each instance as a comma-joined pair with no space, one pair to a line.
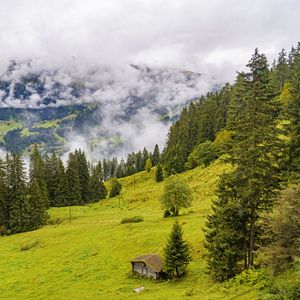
89,258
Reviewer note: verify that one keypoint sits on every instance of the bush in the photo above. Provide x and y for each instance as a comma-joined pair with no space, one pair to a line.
116,188
203,154
135,219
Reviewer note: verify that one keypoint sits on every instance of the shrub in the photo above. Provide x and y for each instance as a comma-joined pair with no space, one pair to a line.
135,219
116,188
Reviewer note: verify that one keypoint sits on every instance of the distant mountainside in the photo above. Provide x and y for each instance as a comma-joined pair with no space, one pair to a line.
106,110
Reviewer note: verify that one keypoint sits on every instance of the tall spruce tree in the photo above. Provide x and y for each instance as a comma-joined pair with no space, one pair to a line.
255,153
159,176
177,252
19,209
38,212
294,110
156,156
4,213
60,183
38,172
97,188
84,175
73,180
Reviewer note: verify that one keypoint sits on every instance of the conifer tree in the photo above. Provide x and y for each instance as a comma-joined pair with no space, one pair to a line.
145,157
83,174
60,184
225,232
156,156
38,212
294,110
4,213
37,172
176,252
74,188
19,209
97,188
50,175
120,172
254,152
159,176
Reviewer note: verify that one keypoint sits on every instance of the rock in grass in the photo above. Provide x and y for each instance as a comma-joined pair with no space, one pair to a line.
139,289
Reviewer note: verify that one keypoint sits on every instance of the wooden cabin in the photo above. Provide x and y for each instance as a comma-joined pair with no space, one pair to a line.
150,265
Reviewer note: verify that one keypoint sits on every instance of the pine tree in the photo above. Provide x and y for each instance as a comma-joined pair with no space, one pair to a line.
38,212
225,232
255,153
19,209
145,157
177,252
37,172
294,110
73,180
97,188
83,174
50,175
4,213
60,184
159,176
120,172
156,156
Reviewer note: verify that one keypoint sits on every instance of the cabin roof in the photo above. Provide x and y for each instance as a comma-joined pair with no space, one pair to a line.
154,261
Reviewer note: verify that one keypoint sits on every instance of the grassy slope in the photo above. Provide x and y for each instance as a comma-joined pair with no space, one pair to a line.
6,126
89,258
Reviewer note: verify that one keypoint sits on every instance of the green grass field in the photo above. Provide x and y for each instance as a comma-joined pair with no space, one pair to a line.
6,126
89,258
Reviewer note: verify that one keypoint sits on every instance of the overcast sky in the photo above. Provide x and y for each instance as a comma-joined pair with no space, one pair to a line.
214,36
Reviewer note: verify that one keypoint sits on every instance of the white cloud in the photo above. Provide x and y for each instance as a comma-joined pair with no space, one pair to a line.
176,33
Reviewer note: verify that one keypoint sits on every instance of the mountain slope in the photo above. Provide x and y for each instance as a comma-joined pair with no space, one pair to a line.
98,106
90,258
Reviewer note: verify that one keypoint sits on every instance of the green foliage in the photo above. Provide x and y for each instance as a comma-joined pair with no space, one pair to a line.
37,172
159,175
177,194
234,229
84,176
285,227
38,210
97,189
224,238
223,140
203,154
148,165
156,156
176,252
73,181
135,219
198,123
116,188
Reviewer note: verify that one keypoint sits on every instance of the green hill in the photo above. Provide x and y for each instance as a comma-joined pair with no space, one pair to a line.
89,258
